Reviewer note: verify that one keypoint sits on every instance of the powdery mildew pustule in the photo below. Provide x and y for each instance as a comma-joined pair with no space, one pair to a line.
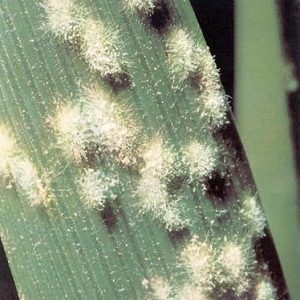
96,188
64,18
8,151
153,195
190,292
101,50
154,198
115,125
201,160
264,290
152,187
172,215
28,181
219,271
212,101
71,131
213,106
254,220
15,166
189,60
142,6
236,263
95,125
199,260
159,160
183,54
98,43
161,289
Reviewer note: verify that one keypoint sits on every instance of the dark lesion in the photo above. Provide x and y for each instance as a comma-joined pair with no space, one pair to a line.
120,81
216,186
109,217
179,236
161,17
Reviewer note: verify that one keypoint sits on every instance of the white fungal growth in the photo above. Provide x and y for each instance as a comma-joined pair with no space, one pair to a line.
236,264
100,49
213,107
190,292
199,260
212,101
96,188
154,198
201,160
264,290
64,18
233,260
15,166
95,125
158,159
152,189
28,181
72,132
219,269
160,287
253,217
98,43
184,55
142,6
114,125
188,59
171,215
153,194
8,150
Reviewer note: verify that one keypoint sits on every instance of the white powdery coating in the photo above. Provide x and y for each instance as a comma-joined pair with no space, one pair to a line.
152,187
264,290
63,18
184,56
201,160
153,195
20,170
255,221
142,6
158,159
99,48
8,150
213,104
233,260
236,267
113,125
161,289
27,179
71,129
221,270
154,198
199,260
96,124
214,107
187,59
190,292
171,215
96,188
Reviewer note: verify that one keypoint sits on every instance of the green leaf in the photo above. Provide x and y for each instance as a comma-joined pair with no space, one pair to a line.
122,173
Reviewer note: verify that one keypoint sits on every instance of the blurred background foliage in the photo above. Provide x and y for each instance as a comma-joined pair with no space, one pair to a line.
233,30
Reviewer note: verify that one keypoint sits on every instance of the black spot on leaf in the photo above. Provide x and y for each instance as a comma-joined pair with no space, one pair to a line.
160,19
109,218
216,186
